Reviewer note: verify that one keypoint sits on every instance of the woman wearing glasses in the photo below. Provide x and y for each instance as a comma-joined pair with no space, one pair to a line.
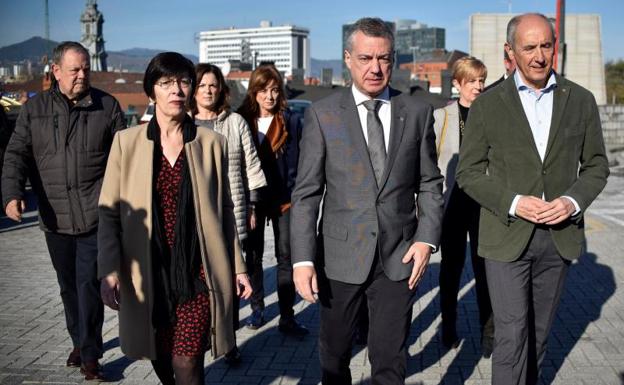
276,134
169,256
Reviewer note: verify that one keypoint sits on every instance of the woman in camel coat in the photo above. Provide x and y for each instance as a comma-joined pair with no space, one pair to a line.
169,256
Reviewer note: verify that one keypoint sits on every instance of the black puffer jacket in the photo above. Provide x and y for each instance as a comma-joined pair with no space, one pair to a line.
64,152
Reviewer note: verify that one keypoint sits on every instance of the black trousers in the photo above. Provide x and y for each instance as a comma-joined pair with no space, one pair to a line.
461,218
390,313
254,253
74,258
525,294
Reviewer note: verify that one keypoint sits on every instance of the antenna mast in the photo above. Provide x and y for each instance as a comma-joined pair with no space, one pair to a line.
47,20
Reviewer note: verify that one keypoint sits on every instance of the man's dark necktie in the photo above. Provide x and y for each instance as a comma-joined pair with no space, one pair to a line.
376,145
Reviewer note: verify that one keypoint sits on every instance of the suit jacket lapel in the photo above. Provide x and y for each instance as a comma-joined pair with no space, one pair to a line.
397,123
354,129
560,99
509,95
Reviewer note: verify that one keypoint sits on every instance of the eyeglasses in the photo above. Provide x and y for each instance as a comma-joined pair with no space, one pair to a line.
182,83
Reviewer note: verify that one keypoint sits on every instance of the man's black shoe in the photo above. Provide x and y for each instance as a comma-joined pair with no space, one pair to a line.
74,361
92,371
256,320
487,346
450,340
290,327
233,357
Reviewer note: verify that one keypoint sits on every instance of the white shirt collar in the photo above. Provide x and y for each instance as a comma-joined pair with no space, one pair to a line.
361,98
521,85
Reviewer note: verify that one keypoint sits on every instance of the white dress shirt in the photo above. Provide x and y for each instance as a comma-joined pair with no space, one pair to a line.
384,112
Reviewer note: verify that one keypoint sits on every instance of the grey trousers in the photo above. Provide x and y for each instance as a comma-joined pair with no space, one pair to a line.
524,294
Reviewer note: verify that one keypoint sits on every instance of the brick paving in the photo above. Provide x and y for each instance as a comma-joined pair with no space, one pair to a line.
586,344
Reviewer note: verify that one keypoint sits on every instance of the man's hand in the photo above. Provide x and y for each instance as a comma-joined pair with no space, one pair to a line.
419,254
305,282
243,286
529,207
109,291
251,218
556,211
15,208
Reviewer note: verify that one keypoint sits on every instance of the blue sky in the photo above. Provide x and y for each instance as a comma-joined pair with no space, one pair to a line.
172,24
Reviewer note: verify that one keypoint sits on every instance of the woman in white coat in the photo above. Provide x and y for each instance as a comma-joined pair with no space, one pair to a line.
210,108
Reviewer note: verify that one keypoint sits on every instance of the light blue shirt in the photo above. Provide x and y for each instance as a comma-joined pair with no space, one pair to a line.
538,108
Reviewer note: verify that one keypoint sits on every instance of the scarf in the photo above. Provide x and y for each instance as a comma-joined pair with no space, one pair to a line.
276,135
176,270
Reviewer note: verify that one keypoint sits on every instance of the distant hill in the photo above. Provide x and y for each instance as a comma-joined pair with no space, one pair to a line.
136,59
318,65
131,60
32,49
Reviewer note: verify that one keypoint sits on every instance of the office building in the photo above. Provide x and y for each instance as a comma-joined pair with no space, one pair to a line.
287,46
414,40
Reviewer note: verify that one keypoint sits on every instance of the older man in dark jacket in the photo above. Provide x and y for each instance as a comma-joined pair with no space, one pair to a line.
61,142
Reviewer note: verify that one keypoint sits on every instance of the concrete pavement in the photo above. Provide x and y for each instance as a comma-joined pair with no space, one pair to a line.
586,345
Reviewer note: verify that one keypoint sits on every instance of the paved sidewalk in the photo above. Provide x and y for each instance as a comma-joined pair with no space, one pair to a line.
586,346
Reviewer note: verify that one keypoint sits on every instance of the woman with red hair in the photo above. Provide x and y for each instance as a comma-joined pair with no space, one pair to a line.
276,134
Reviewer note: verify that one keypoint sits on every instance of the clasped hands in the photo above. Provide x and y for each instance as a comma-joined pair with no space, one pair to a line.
539,211
307,285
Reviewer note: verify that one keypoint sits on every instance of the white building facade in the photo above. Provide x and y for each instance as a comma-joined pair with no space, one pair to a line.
584,61
287,46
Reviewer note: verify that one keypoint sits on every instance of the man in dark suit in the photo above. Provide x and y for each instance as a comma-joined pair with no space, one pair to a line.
533,157
510,67
366,152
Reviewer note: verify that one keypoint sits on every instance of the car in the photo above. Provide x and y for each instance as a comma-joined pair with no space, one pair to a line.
147,115
298,105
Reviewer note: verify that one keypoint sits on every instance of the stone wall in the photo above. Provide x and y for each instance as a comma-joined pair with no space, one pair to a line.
612,118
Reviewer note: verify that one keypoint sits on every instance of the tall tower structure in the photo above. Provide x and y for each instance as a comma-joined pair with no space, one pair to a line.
92,38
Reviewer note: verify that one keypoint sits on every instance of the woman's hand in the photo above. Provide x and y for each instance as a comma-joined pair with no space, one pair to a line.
109,290
243,286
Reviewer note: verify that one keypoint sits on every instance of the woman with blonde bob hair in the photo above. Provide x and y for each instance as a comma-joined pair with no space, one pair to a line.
276,134
461,213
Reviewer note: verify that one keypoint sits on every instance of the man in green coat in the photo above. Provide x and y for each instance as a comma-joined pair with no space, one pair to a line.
533,157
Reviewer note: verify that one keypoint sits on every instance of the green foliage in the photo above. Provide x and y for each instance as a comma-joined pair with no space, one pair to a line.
614,77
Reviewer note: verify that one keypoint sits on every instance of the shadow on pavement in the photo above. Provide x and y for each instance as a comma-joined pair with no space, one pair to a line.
468,354
269,355
114,369
589,285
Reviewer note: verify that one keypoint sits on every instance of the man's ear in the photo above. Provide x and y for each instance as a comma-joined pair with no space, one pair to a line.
347,58
510,51
55,70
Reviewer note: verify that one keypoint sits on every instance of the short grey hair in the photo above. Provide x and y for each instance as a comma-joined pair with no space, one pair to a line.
62,48
373,27
512,26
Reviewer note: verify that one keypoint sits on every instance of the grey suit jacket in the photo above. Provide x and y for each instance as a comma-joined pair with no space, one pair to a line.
499,160
358,216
